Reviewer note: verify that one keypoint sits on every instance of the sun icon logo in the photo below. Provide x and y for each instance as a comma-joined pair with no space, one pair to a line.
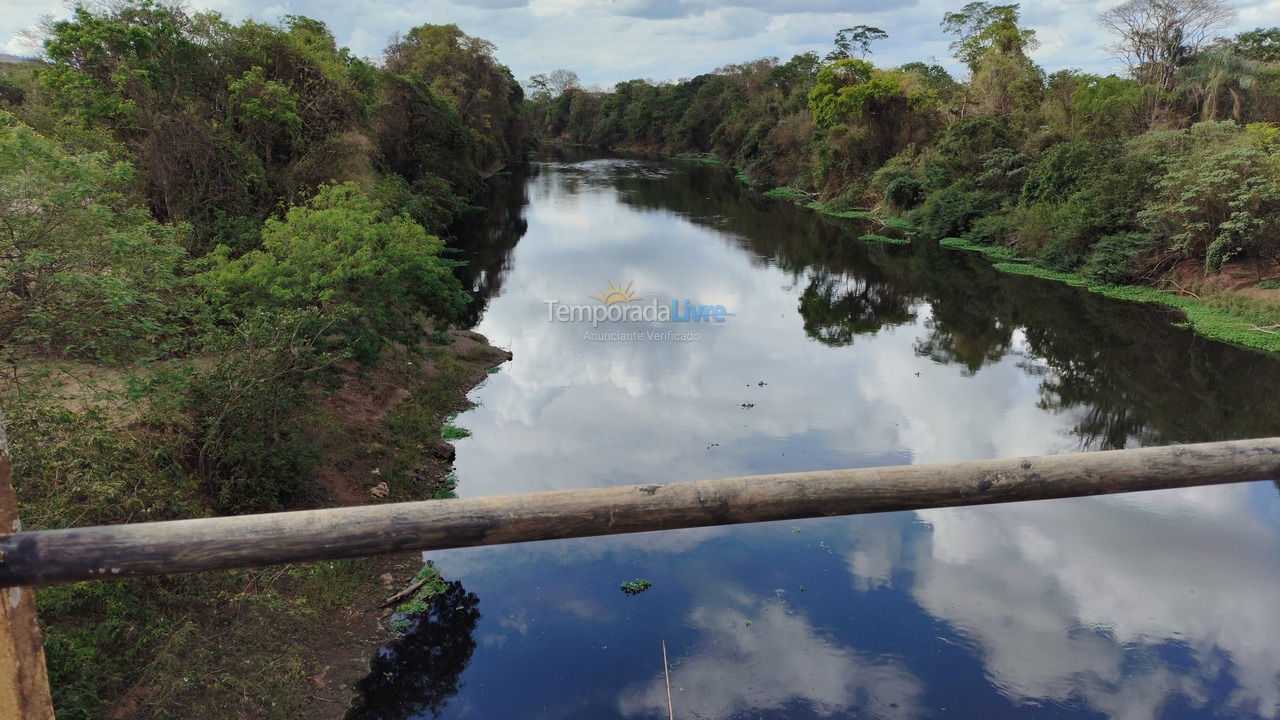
615,295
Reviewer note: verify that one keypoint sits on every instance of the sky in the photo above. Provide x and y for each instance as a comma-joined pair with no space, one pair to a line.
608,41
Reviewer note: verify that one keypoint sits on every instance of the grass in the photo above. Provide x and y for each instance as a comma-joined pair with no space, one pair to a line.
433,402
420,600
996,253
1272,284
452,432
229,644
232,644
1219,317
819,206
894,223
884,239
786,193
704,159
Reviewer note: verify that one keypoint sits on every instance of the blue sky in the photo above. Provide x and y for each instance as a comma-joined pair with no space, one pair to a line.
606,41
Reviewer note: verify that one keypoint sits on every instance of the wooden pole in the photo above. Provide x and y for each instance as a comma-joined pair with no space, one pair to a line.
52,556
24,682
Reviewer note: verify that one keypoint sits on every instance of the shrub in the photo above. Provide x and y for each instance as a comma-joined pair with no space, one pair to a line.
371,277
1031,226
903,193
989,230
1219,198
951,211
1112,259
254,413
70,465
85,271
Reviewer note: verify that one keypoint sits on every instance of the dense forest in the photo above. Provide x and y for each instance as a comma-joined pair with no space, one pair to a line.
206,227
1122,179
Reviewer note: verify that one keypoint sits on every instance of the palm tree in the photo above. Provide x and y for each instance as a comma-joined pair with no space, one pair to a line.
1217,71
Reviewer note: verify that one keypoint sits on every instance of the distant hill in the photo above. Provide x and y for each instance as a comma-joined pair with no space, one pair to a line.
7,58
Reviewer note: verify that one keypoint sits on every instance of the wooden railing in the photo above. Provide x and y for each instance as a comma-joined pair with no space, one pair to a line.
114,551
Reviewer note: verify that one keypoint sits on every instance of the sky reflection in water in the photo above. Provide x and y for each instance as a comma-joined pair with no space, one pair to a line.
1142,606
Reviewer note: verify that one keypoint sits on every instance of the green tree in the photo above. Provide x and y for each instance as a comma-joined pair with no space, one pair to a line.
225,121
850,89
855,39
1219,197
1219,72
463,70
1105,106
981,28
84,271
373,276
1261,44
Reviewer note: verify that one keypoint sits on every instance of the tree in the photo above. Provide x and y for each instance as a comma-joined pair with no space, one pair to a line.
561,81
1220,196
463,70
859,38
850,89
420,135
1261,44
1216,72
1105,106
84,271
371,276
539,87
1156,37
545,86
982,27
226,121
934,76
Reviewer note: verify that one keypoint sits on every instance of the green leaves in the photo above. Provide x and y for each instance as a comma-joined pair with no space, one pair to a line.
377,277
850,88
86,273
983,28
1219,196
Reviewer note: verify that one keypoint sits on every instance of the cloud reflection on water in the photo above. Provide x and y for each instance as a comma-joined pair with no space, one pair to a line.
1122,606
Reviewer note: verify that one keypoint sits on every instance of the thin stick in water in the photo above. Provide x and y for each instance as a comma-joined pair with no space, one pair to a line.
666,675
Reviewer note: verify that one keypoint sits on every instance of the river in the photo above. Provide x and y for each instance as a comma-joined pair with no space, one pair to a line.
831,353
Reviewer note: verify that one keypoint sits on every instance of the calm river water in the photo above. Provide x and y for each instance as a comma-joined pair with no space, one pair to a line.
834,353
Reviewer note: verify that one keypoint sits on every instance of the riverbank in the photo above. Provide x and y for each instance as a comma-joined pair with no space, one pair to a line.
390,443
1225,315
1248,318
279,642
1246,314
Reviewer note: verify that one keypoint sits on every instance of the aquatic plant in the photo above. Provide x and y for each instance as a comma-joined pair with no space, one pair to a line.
635,587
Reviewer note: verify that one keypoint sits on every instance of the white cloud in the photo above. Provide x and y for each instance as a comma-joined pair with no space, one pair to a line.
1060,596
774,657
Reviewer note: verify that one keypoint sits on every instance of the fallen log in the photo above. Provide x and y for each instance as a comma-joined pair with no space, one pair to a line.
53,556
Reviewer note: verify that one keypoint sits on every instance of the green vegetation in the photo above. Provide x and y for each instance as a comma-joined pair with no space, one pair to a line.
426,584
1161,178
884,239
212,226
1221,318
704,159
453,432
998,253
786,193
635,587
